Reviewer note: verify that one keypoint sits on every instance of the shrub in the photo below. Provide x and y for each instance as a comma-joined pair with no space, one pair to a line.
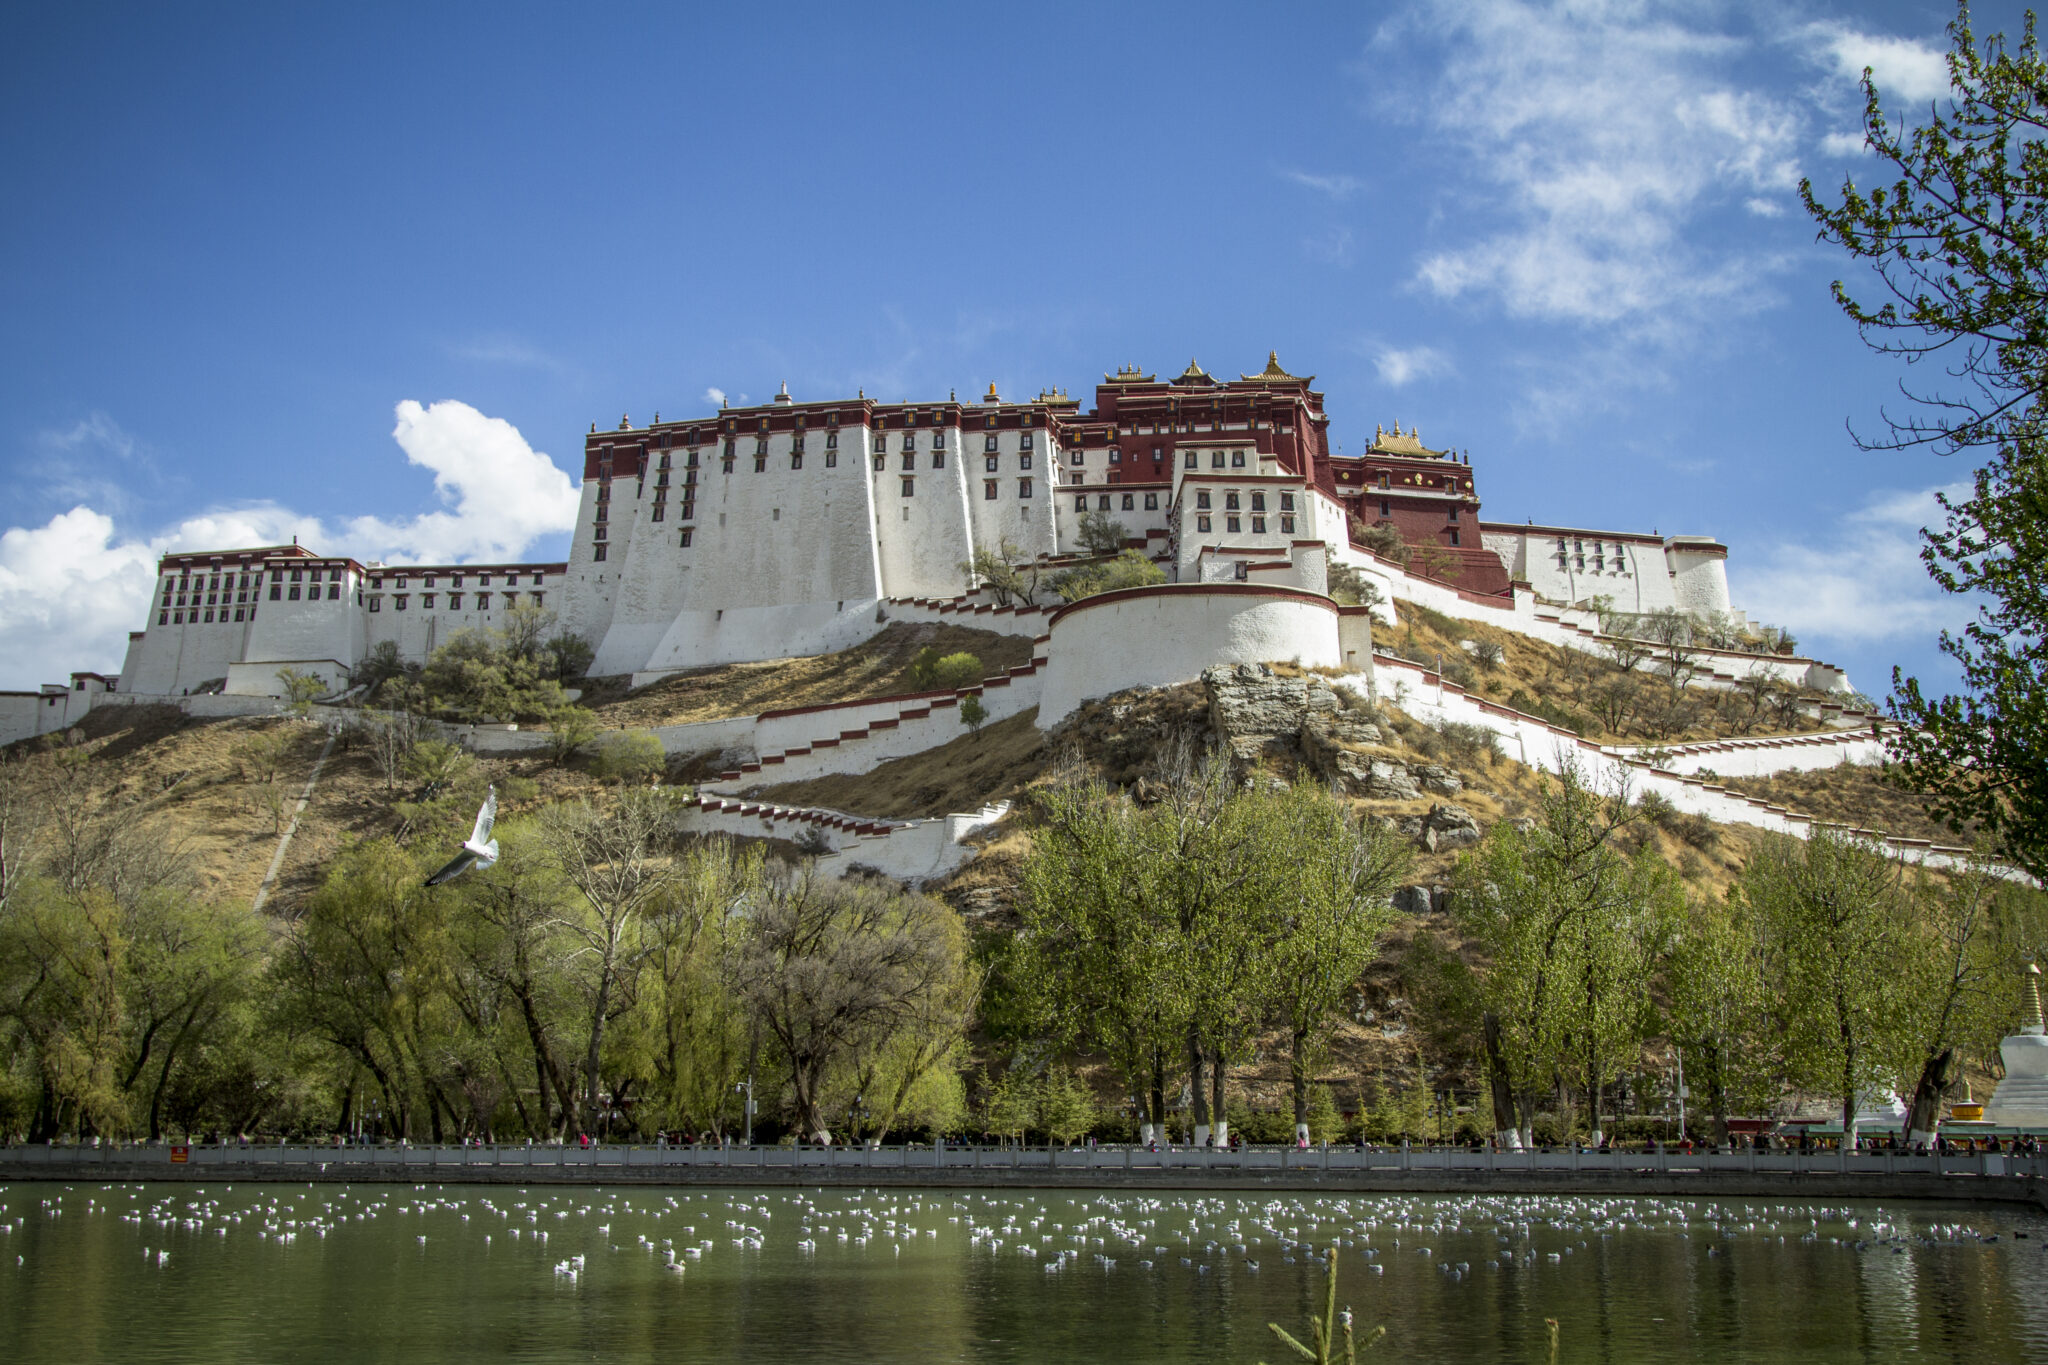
929,670
1131,569
1382,539
570,728
629,756
973,714
1100,534
1470,743
1351,587
301,690
1488,655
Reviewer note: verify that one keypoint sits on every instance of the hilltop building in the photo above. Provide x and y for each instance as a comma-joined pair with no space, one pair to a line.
783,529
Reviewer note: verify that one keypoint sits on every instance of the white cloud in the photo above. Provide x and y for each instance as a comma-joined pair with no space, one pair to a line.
1861,583
503,492
715,396
97,432
1764,208
1605,131
1905,69
72,588
1331,248
1398,366
1339,187
1842,144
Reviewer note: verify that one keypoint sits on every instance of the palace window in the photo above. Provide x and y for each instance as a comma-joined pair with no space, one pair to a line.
1232,525
1287,526
988,488
1129,502
596,534
938,457
796,461
909,460
1116,455
684,539
1081,503
538,597
760,446
1259,525
483,602
831,458
483,580
881,463
1237,459
1076,457
334,592
455,601
1454,517
690,461
689,511
1151,502
177,618
1191,460
238,614
1201,523
1258,502
1454,537
597,554
664,459
988,442
604,513
426,601
1023,488
1215,459
398,602
661,479
294,593
656,515
991,463
731,448
1386,479
1023,440
1024,460
910,488
1202,498
796,444
909,440
760,464
163,618
1230,502
1386,507
1287,502
726,464
831,440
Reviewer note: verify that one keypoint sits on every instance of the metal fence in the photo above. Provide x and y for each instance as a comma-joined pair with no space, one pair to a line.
1249,1161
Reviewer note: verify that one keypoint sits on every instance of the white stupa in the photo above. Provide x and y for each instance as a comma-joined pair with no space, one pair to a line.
2021,1100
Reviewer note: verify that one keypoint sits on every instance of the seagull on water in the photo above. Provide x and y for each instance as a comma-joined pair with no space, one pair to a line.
480,849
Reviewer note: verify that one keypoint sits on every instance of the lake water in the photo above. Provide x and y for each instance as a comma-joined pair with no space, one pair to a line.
384,1273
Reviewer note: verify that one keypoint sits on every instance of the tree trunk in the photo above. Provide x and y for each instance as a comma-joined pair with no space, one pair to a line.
1298,1067
1593,1093
1935,1076
1505,1131
1198,1090
1218,1115
1159,1133
1717,1087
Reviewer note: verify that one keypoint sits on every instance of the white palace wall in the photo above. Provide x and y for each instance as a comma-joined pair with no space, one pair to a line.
1161,636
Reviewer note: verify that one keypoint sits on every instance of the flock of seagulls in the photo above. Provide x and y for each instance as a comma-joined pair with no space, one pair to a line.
1455,1238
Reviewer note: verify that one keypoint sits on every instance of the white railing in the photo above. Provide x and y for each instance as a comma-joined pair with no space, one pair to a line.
1190,1160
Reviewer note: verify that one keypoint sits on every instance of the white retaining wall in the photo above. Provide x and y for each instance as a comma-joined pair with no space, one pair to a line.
1160,636
913,851
1759,757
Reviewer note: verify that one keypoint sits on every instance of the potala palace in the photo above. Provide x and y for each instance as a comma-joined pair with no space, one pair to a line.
793,528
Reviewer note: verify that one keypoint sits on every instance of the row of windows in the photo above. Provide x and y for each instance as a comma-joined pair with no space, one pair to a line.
455,580
202,616
401,601
1234,525
990,488
1102,502
1231,501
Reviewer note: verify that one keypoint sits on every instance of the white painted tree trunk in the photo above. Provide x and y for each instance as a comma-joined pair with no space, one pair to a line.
1201,1135
1508,1139
1301,1135
1222,1132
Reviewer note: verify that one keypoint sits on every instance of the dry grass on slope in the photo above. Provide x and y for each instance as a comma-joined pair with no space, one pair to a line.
963,774
1850,794
879,667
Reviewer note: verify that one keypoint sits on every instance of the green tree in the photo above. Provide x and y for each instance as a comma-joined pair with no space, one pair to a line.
1570,926
301,690
1100,534
1958,243
1838,924
973,714
930,670
1722,1018
1130,569
570,727
995,567
630,756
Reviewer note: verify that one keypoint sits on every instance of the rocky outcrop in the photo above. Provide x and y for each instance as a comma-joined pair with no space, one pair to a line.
1447,827
1367,775
1258,713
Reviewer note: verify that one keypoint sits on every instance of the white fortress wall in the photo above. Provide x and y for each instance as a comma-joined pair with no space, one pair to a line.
1146,512
1160,636
1760,757
1699,574
914,851
920,515
1012,491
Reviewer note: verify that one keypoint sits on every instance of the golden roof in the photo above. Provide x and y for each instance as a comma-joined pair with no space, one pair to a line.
1398,442
1274,373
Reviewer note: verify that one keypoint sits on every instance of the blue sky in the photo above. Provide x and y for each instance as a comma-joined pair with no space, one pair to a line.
355,273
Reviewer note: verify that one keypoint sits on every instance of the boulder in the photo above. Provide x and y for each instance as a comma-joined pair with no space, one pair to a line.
1447,827
1436,778
1381,779
1257,712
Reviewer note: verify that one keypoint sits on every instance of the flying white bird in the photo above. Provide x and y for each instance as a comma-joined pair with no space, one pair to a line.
479,850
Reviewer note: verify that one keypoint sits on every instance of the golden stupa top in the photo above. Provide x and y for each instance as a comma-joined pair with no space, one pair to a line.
1128,374
1274,373
1399,442
1194,374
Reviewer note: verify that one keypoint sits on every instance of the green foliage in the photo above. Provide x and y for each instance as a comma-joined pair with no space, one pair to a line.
995,567
1100,534
1129,569
1959,245
930,671
1571,927
301,690
629,756
973,714
570,727
1325,1332
1351,587
566,656
1382,539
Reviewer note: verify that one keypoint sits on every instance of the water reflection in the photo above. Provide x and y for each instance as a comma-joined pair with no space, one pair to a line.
395,1273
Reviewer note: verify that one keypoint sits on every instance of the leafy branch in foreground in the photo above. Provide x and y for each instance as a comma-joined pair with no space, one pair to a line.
1324,1330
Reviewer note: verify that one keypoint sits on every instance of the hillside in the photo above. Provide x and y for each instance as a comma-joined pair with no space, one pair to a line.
878,667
